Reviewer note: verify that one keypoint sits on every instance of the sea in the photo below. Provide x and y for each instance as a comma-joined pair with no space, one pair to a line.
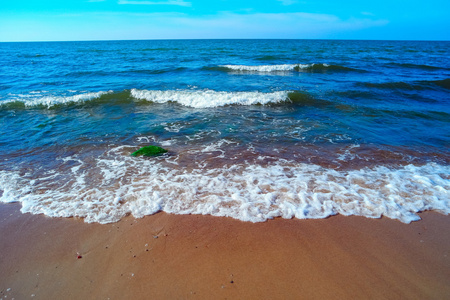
255,129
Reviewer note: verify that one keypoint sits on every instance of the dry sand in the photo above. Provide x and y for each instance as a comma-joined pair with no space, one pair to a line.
202,257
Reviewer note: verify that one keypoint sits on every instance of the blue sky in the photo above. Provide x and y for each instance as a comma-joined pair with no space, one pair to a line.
60,20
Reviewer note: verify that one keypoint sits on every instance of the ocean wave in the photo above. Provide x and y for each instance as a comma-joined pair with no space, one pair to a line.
394,85
445,83
269,57
162,49
417,66
414,85
286,68
116,184
156,71
209,98
45,100
189,98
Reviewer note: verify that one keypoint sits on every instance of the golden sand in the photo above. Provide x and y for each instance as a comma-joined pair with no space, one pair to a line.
202,257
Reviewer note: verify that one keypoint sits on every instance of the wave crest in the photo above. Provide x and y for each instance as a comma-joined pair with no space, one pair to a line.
189,98
209,98
37,100
286,68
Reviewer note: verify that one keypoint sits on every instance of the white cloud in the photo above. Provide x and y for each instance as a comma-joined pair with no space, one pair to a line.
125,26
287,2
270,25
168,2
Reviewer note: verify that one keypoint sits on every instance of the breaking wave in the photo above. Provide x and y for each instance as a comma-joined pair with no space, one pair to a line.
115,184
189,98
208,98
38,100
286,67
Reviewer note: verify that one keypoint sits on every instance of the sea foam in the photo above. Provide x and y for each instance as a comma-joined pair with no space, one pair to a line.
35,99
114,185
269,68
320,67
209,98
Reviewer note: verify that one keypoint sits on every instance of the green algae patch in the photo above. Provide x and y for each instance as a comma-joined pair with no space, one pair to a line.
149,151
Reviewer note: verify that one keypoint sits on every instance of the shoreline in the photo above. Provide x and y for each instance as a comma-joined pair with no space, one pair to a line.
166,256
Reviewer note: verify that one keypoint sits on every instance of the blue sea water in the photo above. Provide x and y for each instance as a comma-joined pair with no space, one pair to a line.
255,129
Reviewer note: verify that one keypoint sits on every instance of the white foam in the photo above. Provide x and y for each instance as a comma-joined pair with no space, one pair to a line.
172,127
270,68
209,98
34,99
119,184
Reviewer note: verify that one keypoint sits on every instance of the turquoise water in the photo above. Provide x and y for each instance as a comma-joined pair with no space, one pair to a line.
255,128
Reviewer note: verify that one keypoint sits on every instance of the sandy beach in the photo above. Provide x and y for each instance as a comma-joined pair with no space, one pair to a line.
167,256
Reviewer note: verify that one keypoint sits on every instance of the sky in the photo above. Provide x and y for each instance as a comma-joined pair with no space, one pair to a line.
74,20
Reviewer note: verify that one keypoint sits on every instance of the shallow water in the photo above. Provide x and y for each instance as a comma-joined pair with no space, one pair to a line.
255,128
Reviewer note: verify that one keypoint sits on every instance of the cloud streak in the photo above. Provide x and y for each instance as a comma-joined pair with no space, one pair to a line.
271,25
177,25
287,2
169,2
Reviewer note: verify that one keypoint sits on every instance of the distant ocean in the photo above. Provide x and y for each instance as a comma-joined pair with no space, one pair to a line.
255,129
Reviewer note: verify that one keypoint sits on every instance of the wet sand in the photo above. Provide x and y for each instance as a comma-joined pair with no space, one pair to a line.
202,257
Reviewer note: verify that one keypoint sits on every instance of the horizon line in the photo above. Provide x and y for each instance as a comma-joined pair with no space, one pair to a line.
193,39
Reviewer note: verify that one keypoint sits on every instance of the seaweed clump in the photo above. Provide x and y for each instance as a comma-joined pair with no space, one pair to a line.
149,151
